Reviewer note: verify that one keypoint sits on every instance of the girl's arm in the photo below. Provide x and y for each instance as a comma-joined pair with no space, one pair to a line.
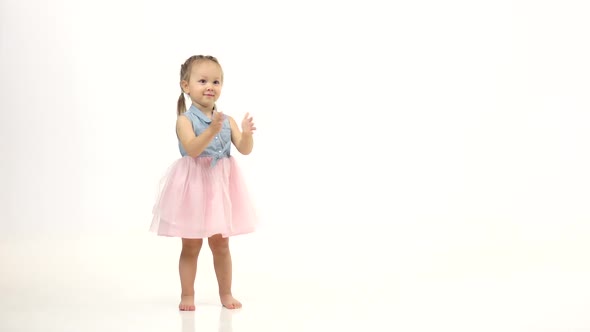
193,145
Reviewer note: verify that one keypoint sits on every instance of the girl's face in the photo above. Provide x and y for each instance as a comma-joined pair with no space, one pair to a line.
204,85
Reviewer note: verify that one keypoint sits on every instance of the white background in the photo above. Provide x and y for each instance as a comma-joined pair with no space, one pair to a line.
424,135
447,115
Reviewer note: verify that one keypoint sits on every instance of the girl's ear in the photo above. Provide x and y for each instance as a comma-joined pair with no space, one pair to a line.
184,86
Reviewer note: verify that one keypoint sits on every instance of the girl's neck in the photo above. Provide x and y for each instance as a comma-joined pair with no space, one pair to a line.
208,111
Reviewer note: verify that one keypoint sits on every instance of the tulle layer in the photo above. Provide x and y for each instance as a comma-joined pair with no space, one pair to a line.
197,201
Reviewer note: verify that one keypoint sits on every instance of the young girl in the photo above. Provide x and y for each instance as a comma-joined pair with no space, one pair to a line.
203,193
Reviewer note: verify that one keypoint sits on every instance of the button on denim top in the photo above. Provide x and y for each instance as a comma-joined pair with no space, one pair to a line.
220,146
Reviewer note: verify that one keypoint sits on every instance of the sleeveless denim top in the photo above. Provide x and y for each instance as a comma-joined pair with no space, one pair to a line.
220,146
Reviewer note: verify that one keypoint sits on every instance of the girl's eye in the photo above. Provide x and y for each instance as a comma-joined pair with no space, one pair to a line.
216,82
201,81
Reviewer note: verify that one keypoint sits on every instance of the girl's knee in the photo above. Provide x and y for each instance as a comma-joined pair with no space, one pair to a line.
191,246
218,244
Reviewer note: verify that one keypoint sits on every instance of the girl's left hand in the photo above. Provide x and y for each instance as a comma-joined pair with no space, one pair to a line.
247,124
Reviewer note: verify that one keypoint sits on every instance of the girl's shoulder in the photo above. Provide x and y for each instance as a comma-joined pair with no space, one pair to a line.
183,120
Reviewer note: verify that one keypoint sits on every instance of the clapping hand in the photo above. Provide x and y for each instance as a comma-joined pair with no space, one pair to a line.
217,121
248,125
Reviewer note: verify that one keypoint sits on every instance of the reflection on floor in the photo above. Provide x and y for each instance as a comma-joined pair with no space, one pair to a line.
129,283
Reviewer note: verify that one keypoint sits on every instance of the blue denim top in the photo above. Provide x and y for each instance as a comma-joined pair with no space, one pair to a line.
220,146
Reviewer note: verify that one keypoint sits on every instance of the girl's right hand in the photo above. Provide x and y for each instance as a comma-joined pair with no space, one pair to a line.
217,122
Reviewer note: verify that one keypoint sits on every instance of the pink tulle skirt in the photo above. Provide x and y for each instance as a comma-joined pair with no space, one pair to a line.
197,201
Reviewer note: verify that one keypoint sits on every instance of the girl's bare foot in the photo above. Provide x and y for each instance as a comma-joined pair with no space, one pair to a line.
187,303
229,302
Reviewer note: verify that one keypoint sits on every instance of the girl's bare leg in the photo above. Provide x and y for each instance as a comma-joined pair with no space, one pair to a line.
223,270
187,267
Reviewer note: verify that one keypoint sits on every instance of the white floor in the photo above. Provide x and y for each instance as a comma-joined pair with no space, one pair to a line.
128,282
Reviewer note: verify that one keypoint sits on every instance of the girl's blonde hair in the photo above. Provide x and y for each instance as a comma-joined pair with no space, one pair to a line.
185,73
